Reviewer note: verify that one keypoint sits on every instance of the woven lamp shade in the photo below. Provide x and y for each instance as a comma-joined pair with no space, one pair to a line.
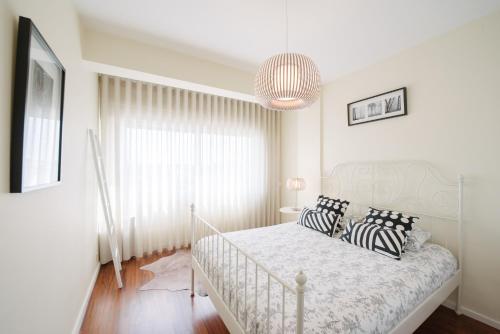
287,81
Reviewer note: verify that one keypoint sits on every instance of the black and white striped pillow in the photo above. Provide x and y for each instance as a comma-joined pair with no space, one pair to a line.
320,221
327,204
390,219
385,241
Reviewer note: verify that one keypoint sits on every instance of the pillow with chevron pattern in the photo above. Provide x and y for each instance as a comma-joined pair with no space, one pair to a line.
324,222
385,241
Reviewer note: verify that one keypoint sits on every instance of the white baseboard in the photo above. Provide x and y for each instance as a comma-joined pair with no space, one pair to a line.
473,314
83,308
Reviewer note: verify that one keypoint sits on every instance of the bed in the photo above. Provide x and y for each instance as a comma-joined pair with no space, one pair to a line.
290,279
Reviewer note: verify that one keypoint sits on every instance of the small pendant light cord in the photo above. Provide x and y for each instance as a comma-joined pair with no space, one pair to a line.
286,26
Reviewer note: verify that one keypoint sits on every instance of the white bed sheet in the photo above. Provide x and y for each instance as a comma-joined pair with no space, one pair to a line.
349,289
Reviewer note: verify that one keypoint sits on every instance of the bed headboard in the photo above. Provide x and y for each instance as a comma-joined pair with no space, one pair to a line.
414,187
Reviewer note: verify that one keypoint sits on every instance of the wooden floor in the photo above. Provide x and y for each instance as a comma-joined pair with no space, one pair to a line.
128,310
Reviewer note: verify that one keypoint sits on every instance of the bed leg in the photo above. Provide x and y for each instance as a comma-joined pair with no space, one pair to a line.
192,282
301,280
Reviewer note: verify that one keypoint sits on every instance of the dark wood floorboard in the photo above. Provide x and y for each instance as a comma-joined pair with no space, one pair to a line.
132,311
444,321
129,310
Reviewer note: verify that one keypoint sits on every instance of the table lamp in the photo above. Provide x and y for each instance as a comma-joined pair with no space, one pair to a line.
296,184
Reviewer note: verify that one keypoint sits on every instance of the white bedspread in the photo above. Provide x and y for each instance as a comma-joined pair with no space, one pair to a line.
349,289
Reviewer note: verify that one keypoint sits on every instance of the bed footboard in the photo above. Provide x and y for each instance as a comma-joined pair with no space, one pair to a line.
226,271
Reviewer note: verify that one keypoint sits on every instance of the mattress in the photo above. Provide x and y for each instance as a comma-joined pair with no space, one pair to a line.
349,289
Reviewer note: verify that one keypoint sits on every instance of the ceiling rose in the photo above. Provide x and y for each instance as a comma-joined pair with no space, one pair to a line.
287,81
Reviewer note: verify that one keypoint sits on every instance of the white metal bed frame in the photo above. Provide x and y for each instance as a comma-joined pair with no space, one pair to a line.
379,184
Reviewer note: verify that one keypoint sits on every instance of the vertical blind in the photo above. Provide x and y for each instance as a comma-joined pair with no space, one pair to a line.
165,148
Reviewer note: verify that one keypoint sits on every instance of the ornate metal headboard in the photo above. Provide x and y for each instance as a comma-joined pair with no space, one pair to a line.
413,187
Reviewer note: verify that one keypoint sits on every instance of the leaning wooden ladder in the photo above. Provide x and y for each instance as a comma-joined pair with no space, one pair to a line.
106,205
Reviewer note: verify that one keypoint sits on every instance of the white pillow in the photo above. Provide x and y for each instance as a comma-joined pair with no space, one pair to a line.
417,238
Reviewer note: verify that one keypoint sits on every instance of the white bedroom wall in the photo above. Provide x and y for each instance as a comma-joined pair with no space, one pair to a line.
288,152
48,237
453,122
301,155
309,152
105,48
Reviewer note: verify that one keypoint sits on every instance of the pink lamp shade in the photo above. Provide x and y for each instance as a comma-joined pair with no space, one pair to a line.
295,183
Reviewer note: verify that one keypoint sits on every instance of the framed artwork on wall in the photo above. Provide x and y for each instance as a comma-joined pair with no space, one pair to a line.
378,107
36,137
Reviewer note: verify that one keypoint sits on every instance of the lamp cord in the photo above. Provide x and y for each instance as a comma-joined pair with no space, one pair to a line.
286,26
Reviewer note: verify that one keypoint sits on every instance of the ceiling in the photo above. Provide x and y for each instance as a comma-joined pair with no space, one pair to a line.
341,36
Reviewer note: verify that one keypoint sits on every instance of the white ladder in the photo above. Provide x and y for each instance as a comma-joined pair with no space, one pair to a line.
106,205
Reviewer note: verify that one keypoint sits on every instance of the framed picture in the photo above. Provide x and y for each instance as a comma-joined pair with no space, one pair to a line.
375,108
37,112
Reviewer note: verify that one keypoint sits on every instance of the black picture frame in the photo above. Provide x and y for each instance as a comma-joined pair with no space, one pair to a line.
386,105
37,112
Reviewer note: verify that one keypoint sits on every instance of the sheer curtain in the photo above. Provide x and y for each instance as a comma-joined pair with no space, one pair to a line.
166,147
